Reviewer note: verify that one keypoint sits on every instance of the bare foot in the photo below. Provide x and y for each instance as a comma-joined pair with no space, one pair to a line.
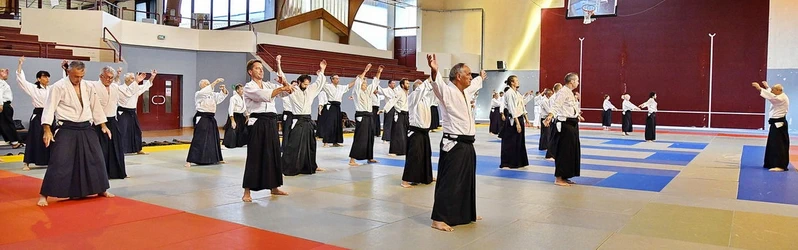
141,153
406,184
352,163
440,225
222,162
561,183
776,170
325,145
479,217
107,194
320,169
247,197
570,182
434,179
42,201
373,161
276,191
188,165
392,155
25,167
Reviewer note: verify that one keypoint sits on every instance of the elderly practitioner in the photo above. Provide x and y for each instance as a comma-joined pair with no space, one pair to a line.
35,151
513,149
455,190
418,162
334,132
628,107
130,131
235,130
495,113
263,165
375,111
363,144
400,121
545,131
321,117
606,115
389,111
205,148
566,118
777,151
300,153
651,119
76,167
7,128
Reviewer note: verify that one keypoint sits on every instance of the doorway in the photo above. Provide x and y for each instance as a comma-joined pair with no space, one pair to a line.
405,50
159,108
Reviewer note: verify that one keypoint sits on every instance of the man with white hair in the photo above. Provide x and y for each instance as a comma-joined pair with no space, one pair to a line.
7,128
566,116
777,151
129,128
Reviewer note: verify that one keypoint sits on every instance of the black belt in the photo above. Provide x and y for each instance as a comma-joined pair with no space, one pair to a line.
7,102
334,103
775,120
126,109
288,113
403,112
496,108
572,121
303,118
263,115
205,114
363,113
468,139
74,125
38,111
417,129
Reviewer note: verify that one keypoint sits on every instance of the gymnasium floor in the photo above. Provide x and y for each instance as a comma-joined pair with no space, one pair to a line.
689,190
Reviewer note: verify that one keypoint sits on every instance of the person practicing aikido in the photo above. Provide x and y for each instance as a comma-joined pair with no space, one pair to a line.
129,128
495,113
455,189
7,128
299,156
777,150
235,130
321,117
606,113
513,149
76,168
389,110
552,148
545,131
400,123
566,118
375,112
536,99
435,115
205,148
363,143
333,128
263,167
628,107
651,119
418,161
35,151
288,116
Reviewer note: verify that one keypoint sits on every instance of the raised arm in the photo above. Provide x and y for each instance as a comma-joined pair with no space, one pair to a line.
316,86
141,89
221,95
437,81
476,83
23,83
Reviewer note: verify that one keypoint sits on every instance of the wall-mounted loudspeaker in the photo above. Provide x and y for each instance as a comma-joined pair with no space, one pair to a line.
500,65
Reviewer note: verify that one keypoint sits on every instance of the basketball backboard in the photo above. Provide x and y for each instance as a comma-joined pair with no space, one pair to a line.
601,8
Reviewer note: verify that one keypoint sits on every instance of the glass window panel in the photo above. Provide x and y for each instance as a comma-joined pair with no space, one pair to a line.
220,14
375,35
406,17
257,10
141,7
238,11
373,12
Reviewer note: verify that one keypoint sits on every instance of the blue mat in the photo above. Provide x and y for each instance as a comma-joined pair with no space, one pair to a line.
757,184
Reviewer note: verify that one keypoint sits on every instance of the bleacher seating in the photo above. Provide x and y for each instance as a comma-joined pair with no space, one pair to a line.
306,61
13,43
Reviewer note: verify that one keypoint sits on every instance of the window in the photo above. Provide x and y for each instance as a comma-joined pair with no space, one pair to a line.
260,10
406,17
223,10
375,13
221,14
141,6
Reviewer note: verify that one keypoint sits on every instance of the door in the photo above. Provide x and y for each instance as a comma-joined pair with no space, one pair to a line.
405,50
159,108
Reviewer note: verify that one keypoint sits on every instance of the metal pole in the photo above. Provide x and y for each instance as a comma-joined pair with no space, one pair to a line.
581,41
711,63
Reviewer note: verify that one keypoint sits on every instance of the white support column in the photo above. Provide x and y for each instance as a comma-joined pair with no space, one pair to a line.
711,64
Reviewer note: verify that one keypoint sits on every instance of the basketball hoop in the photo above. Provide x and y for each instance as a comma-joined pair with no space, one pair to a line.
589,10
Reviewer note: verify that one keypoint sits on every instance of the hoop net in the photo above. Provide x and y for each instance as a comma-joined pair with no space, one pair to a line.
589,10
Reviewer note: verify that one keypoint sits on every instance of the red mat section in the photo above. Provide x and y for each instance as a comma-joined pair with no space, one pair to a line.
119,223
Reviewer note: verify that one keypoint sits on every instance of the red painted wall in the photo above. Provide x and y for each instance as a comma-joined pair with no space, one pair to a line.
665,49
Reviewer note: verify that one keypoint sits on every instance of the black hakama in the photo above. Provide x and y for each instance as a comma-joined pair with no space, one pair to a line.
777,151
626,126
333,130
288,121
388,124
606,118
76,168
375,113
205,148
112,152
455,190
399,135
35,151
545,135
567,158
321,119
263,165
129,129
435,118
299,157
651,127
418,162
7,128
363,144
495,120
505,122
514,153
236,137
